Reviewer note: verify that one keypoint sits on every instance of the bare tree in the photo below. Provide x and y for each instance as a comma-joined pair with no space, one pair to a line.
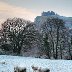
53,27
19,33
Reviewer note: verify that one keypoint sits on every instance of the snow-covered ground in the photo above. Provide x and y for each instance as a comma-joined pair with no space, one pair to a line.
53,65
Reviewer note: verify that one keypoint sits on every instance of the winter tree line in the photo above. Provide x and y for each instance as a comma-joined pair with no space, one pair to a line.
53,40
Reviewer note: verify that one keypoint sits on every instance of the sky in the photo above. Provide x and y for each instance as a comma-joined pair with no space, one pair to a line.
29,9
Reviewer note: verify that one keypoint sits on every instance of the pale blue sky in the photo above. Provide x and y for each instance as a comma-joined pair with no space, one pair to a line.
29,9
44,5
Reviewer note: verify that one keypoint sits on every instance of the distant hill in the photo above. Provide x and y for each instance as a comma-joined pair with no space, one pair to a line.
41,19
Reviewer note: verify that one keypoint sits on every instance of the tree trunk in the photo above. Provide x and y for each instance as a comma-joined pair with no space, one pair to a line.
60,51
53,50
52,42
57,43
70,52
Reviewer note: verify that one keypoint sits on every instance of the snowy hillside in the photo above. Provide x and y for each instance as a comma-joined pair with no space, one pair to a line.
53,65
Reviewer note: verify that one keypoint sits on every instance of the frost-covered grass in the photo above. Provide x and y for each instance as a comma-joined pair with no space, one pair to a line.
7,64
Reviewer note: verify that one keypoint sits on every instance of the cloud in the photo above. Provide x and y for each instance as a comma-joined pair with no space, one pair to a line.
10,11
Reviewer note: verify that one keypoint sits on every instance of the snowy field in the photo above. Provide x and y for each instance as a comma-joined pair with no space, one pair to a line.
53,65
